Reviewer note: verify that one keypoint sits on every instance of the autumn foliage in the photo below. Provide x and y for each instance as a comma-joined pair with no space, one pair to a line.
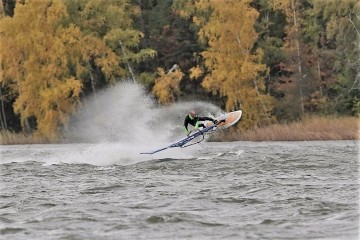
167,87
36,56
47,59
277,60
234,68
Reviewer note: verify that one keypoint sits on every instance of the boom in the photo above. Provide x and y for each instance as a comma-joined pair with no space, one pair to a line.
182,142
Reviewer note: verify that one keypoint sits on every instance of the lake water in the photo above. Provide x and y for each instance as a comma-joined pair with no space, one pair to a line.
237,190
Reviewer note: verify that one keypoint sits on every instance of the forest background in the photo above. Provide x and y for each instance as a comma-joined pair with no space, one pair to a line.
280,61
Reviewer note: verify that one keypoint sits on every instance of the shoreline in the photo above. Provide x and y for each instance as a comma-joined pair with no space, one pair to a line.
309,129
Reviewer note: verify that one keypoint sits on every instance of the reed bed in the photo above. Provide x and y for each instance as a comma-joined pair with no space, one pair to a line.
9,138
309,129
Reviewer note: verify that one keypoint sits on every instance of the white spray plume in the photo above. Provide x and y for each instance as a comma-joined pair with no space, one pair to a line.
124,120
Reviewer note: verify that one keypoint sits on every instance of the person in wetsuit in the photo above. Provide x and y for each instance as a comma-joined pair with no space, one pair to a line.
194,120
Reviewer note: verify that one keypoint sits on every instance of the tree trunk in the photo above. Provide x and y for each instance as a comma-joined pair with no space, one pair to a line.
356,84
127,62
298,57
319,75
92,79
2,116
2,7
261,102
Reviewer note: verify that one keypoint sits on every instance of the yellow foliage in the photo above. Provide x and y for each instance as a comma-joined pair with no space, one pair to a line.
235,70
166,86
195,72
44,59
36,53
57,102
281,4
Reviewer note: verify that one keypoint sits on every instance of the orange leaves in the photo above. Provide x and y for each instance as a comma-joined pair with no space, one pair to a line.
166,86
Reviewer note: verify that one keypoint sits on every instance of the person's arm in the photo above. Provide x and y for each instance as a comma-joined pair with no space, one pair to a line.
206,119
186,123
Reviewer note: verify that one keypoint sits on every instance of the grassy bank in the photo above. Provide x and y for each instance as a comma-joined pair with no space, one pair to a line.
309,129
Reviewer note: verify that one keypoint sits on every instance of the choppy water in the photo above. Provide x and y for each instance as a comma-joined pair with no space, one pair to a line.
239,190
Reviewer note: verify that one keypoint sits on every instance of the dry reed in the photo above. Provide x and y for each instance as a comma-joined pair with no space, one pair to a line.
309,129
9,138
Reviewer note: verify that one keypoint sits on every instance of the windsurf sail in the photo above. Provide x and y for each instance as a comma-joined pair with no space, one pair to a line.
224,121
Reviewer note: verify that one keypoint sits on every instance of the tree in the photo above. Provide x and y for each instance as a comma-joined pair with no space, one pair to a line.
173,38
338,46
110,21
52,51
292,81
166,87
234,68
35,62
6,9
44,62
319,72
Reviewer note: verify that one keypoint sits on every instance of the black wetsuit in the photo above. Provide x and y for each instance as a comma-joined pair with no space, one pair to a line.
194,121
